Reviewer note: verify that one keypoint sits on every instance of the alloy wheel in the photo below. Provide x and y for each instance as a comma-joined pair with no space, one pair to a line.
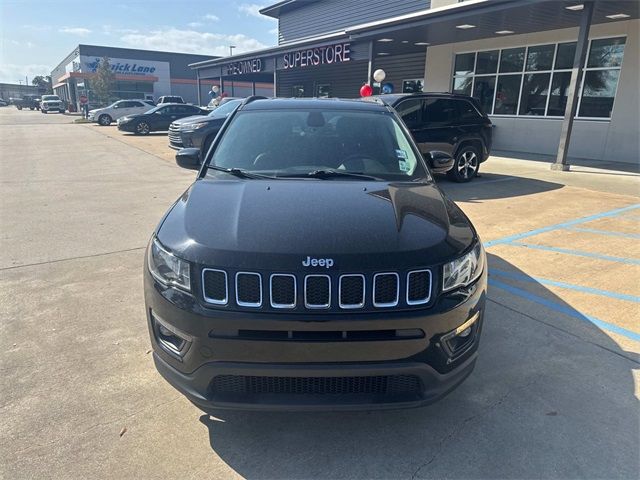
467,164
142,128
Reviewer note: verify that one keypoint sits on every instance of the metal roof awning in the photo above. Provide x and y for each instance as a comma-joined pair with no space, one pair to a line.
479,19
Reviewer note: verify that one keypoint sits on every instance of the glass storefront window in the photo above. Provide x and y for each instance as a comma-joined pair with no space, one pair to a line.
540,57
412,86
606,52
483,91
535,90
529,82
462,85
507,94
564,57
323,90
598,93
487,62
465,64
558,98
512,60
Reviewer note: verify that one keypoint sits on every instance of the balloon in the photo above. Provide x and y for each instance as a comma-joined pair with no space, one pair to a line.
379,75
387,88
366,90
215,89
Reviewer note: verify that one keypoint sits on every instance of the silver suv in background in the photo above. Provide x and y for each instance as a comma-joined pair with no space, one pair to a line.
121,108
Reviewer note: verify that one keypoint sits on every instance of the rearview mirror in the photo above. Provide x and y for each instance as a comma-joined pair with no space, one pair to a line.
439,162
188,158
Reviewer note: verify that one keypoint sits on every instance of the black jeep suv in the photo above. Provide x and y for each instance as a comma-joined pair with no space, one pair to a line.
448,122
314,264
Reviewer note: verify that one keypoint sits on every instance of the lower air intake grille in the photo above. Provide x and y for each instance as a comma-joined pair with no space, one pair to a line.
376,385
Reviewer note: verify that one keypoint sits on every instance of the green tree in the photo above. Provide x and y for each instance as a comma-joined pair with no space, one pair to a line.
104,81
43,82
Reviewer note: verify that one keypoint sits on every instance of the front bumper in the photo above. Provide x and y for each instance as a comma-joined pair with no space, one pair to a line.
54,107
126,126
316,373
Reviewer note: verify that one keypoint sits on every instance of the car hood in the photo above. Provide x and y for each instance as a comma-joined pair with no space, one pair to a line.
194,119
132,116
262,224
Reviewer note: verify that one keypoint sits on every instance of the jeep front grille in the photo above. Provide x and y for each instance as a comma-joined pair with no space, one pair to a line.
321,292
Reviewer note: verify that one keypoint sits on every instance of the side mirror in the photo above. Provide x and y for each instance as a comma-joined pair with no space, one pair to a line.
439,162
188,158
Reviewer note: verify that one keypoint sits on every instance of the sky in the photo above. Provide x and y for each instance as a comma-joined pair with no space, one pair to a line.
36,35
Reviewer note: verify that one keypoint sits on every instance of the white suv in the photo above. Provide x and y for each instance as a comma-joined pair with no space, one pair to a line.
121,108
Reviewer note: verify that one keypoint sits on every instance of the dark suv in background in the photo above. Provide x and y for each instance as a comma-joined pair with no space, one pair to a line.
447,122
199,131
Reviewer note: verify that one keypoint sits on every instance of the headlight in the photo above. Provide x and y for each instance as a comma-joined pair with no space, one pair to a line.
195,126
167,268
464,270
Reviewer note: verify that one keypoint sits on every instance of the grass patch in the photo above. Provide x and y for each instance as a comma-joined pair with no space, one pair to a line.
82,120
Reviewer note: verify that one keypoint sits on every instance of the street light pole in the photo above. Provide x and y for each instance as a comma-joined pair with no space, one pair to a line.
231,47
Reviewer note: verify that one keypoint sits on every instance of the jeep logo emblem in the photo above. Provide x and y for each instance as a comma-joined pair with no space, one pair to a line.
318,262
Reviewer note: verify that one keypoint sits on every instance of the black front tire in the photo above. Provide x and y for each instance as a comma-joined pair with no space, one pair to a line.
466,166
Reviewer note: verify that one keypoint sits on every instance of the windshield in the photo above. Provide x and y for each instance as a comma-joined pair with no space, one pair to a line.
50,97
225,109
296,143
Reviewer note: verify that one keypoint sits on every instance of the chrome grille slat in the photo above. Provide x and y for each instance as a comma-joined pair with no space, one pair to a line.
419,284
211,292
278,284
386,289
248,293
348,291
314,293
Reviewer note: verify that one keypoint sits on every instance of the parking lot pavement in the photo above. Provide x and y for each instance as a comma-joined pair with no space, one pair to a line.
554,394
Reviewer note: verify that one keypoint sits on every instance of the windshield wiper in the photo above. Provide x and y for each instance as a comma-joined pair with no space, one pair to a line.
238,172
324,174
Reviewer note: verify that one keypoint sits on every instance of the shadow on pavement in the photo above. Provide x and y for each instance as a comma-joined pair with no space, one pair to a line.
548,399
490,186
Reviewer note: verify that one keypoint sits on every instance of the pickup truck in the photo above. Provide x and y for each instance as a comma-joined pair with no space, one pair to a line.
32,102
51,103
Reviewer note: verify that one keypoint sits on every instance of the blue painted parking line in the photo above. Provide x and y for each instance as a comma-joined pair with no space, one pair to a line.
566,310
608,233
578,253
569,286
578,221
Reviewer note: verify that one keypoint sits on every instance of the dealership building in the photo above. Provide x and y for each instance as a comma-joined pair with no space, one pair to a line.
558,78
139,74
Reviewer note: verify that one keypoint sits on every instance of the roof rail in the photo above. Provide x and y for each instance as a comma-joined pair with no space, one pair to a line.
250,99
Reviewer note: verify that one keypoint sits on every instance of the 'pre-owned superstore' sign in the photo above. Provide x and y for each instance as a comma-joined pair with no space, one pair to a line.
245,66
325,55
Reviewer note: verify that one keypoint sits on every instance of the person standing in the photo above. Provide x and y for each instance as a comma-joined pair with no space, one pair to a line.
84,105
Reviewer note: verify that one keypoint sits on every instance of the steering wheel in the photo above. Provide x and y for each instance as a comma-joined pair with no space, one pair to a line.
358,162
